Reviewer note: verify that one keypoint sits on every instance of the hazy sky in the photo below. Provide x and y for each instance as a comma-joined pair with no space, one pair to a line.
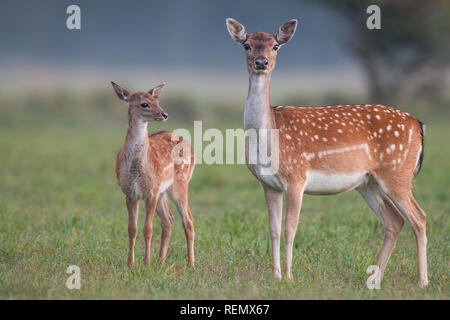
176,33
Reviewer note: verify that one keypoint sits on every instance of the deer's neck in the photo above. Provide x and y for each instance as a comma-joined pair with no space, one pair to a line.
136,140
258,114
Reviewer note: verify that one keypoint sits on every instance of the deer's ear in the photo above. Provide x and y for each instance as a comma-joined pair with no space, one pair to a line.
122,93
156,91
286,31
236,30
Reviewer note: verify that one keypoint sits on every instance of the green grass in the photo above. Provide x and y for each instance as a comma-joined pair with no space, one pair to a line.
60,205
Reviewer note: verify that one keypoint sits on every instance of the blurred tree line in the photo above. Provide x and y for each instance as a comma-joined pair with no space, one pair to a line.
408,57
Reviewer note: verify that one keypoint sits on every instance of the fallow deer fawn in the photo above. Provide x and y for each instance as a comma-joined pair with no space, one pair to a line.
374,149
146,170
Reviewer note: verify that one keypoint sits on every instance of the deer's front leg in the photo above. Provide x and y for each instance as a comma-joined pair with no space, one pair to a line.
133,208
150,207
294,197
274,200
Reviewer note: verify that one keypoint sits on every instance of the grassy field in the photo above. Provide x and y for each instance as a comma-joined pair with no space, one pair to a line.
60,206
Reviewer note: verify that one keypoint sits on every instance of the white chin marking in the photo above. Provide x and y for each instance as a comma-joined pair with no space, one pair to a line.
318,182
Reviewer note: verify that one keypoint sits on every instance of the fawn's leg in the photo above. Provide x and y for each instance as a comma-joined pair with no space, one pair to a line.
133,208
294,197
274,201
150,207
179,194
166,217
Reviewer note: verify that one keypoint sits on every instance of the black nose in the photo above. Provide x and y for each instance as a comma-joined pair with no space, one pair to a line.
261,63
164,115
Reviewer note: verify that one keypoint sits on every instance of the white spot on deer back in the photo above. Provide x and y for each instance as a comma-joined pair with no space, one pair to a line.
363,146
308,156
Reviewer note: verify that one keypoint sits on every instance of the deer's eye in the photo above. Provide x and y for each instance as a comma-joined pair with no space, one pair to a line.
276,47
144,105
246,47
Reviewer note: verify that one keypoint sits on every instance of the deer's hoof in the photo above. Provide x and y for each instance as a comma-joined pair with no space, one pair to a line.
423,283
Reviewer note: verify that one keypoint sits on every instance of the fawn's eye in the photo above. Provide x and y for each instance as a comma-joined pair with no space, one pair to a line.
276,47
144,105
246,47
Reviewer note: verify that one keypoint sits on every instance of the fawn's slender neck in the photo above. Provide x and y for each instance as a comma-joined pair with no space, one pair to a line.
136,140
258,113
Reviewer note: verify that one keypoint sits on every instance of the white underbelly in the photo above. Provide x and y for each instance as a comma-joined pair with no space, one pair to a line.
318,182
165,185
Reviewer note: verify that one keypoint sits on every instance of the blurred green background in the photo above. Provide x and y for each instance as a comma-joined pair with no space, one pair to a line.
61,126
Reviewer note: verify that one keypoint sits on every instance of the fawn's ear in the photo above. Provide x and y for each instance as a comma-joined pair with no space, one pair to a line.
122,93
156,91
236,30
286,31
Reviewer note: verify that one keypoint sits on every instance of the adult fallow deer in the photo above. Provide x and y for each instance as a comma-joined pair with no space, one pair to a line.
374,149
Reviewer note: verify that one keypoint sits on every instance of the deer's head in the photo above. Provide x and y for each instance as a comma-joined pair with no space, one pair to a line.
143,105
261,48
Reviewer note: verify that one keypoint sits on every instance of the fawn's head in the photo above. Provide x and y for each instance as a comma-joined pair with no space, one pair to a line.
261,48
143,105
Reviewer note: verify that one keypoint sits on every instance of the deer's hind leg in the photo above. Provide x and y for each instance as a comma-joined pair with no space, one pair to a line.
419,227
178,192
403,199
166,217
389,216
150,207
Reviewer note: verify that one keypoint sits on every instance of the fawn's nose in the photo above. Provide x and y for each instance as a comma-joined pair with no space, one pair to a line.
261,63
164,115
